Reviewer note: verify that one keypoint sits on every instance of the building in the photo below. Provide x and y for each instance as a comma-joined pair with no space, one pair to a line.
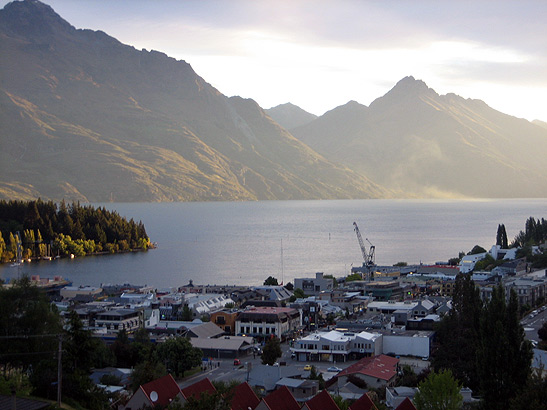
407,342
322,401
225,319
301,389
263,322
376,371
335,346
119,319
280,399
159,392
228,347
314,286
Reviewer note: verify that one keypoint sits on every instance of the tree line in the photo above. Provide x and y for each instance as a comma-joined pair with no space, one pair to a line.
40,228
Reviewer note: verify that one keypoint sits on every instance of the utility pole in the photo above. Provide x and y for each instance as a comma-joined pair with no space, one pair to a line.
59,370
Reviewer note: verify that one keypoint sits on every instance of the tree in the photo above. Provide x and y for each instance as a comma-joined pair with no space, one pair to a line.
178,355
533,396
458,334
146,372
440,391
299,293
271,281
501,237
353,276
476,249
271,351
503,355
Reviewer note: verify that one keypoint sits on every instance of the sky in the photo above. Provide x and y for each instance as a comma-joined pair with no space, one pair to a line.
320,54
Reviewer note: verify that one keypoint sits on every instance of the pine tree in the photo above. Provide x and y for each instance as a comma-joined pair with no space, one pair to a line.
503,355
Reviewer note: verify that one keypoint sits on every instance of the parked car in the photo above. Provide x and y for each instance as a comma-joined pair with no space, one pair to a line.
237,362
334,369
307,367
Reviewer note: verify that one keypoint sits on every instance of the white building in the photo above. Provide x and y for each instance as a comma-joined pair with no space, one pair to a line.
335,346
264,321
407,343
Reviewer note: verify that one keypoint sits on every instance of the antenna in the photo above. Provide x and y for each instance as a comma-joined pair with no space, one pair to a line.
154,396
282,268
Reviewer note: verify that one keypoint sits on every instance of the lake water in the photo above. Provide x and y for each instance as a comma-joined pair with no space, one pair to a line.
245,242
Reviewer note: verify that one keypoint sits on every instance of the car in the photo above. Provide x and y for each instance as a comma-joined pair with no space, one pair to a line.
237,362
334,369
308,367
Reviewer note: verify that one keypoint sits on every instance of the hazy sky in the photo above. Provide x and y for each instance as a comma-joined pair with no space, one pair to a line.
321,54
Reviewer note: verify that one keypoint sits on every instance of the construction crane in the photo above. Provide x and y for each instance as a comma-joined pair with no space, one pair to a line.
368,258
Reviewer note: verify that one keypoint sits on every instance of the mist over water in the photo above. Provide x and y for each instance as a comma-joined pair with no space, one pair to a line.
245,242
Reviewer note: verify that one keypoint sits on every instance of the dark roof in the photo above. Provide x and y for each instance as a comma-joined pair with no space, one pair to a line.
322,401
364,403
406,404
205,330
382,367
6,402
244,397
195,390
166,387
281,399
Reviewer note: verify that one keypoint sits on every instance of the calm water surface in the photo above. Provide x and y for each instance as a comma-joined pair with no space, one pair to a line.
245,242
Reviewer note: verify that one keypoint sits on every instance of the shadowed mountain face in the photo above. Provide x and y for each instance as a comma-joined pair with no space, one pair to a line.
84,117
419,142
290,116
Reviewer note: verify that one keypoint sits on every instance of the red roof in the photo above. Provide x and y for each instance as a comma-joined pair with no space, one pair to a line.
322,401
281,399
165,387
244,397
364,403
406,404
382,367
195,390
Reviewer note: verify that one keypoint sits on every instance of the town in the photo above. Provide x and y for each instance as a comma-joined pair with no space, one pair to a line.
300,345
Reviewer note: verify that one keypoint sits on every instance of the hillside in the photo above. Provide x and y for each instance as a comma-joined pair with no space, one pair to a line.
425,144
85,117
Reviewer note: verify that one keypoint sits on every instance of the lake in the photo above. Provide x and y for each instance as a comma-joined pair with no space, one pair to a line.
245,242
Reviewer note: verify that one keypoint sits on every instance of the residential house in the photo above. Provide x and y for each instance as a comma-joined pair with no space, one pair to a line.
278,293
160,392
280,399
423,308
396,395
322,401
406,404
244,398
363,403
375,371
301,389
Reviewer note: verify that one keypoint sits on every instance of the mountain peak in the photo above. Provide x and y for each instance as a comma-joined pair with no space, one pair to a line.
409,83
32,18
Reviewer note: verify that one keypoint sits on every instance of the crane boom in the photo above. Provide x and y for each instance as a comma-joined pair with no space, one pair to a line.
361,243
368,258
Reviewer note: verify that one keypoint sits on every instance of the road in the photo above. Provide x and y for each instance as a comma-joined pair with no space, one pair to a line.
533,324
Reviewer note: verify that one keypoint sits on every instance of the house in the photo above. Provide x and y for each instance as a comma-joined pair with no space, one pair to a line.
376,371
262,322
364,403
244,398
278,293
301,389
266,377
322,401
159,392
280,399
396,395
197,389
406,404
204,330
314,286
423,308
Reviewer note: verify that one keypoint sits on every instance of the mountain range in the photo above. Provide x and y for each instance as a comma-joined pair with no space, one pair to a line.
85,117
